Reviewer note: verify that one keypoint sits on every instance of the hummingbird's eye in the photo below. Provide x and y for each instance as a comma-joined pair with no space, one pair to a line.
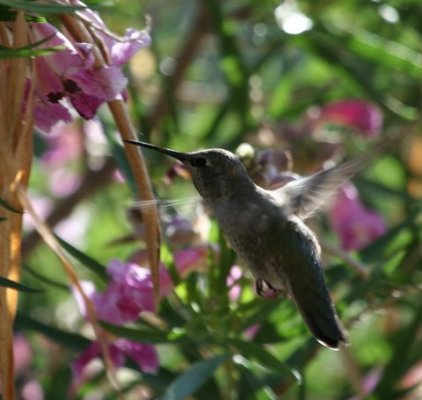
198,162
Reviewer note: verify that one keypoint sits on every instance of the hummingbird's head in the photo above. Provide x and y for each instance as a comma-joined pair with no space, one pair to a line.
215,172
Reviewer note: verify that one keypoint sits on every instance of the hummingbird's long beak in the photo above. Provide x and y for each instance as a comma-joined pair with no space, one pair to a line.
175,154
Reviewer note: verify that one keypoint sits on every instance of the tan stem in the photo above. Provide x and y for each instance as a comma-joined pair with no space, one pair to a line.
137,164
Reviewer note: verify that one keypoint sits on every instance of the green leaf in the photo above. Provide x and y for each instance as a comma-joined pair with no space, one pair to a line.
6,52
394,240
7,206
89,262
406,352
18,286
385,52
262,356
3,219
45,279
41,8
29,50
190,381
145,335
70,340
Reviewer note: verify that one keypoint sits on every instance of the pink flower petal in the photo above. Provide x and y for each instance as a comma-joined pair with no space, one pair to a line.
191,258
32,390
133,41
85,104
22,353
104,83
90,353
364,116
355,225
60,61
128,294
64,144
120,49
47,114
48,83
232,282
144,355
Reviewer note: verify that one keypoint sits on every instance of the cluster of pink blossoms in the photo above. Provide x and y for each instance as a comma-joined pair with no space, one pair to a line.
128,294
69,80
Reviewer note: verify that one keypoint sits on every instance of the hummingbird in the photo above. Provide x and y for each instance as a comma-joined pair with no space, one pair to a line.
266,230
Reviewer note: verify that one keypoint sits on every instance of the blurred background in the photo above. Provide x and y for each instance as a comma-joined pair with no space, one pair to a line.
290,87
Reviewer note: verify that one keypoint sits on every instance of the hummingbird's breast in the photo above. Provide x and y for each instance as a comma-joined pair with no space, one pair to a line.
252,225
277,247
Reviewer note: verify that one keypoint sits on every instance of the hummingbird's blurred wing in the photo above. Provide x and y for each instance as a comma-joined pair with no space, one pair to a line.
304,196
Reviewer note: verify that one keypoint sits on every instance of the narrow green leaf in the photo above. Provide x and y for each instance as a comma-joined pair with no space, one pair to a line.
18,286
29,50
45,279
394,240
41,8
144,335
25,53
263,357
385,52
70,340
89,262
7,206
190,381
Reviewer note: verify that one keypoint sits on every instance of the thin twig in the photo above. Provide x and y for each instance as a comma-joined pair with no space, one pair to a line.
54,245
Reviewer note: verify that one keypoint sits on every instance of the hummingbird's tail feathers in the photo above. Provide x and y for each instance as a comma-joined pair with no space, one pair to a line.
327,329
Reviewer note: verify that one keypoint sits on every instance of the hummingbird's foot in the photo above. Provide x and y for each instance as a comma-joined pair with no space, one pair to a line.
265,290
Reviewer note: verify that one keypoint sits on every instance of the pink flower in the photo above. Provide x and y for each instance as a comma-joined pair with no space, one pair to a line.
22,353
32,390
64,144
179,230
361,115
144,355
233,284
355,225
70,76
128,294
120,49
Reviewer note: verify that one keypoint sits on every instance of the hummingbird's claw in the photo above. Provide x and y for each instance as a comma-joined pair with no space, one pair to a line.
265,290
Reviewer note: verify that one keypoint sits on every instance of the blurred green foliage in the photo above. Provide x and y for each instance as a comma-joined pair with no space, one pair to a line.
215,73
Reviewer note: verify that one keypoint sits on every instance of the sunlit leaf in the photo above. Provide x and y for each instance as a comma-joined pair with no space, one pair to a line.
191,380
383,51
258,352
